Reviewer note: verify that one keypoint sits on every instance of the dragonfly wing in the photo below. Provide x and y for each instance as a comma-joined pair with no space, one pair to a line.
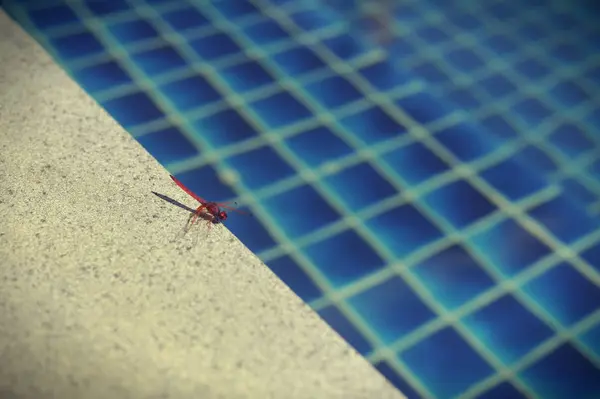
188,191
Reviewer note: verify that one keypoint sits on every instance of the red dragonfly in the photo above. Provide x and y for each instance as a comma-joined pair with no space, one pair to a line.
213,212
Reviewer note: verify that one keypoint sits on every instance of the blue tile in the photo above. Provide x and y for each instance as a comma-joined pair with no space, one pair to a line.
502,391
403,230
190,93
280,110
102,76
344,47
295,277
431,73
246,76
373,125
133,110
547,376
54,16
446,364
509,247
594,170
465,21
77,45
431,34
532,32
466,142
592,256
422,107
318,146
298,61
500,44
502,177
532,68
260,167
464,60
508,329
186,18
569,53
503,11
224,128
497,125
251,231
344,258
397,380
336,319
311,19
591,339
578,191
300,211
532,111
384,76
205,182
453,277
498,86
569,94
400,48
360,186
564,219
216,46
392,309
180,147
266,32
415,163
570,140
158,61
534,156
464,98
133,31
234,9
105,8
334,92
449,203
565,293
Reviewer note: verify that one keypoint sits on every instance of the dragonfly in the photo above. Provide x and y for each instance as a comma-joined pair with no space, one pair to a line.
213,212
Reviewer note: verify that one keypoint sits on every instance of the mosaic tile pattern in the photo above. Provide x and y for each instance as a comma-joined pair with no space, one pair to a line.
429,183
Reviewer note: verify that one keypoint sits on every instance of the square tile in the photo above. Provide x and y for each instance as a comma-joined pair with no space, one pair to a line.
246,76
391,309
396,379
295,277
466,142
564,219
260,167
54,16
569,94
318,146
498,86
133,109
423,107
298,61
565,294
312,19
501,44
453,277
251,231
334,92
373,125
497,125
294,211
592,256
502,391
547,375
569,139
216,46
78,45
102,76
179,149
403,230
446,364
205,182
532,111
464,60
185,19
266,32
591,339
509,248
415,163
280,110
345,47
133,31
344,258
234,9
449,203
501,176
106,8
226,127
360,186
157,61
508,329
190,93
338,321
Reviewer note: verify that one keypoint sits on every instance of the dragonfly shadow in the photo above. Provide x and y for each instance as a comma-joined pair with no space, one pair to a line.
180,205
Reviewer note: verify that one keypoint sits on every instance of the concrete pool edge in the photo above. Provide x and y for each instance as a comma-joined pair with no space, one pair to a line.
97,299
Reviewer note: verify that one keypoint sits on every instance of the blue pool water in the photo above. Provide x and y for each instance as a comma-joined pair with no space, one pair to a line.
424,174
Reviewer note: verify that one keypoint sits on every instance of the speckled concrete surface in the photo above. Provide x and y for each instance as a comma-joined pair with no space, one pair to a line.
96,298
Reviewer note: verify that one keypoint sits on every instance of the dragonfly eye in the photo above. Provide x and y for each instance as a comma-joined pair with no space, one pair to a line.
222,215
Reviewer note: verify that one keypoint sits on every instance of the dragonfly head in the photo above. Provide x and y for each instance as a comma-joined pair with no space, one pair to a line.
220,217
